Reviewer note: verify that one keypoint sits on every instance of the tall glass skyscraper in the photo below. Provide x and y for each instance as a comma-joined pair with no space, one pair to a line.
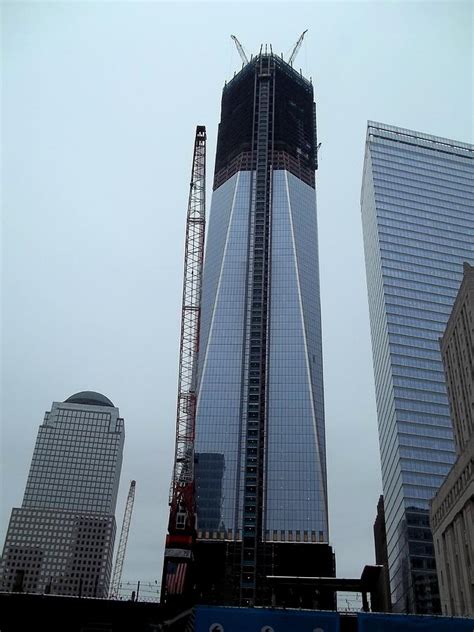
260,436
61,539
417,213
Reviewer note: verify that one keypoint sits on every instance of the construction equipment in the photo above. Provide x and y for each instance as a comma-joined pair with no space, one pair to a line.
297,47
127,516
181,526
240,48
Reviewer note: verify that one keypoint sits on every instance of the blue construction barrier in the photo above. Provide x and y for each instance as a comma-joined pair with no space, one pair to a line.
215,619
374,622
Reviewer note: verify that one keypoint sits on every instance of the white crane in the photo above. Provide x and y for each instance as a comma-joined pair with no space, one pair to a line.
117,574
297,47
240,48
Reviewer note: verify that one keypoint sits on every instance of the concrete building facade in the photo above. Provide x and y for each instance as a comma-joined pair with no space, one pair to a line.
452,509
61,539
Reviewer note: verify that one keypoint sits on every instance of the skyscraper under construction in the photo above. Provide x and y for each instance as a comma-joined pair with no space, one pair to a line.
260,438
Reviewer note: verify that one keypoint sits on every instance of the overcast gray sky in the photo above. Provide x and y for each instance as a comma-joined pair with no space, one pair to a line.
99,106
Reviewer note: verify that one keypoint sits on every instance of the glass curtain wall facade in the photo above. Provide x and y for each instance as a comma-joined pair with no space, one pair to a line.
260,438
61,539
417,213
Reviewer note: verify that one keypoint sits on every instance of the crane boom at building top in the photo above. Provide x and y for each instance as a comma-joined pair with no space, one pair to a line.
297,47
240,48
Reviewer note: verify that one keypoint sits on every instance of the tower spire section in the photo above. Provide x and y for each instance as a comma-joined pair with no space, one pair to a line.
122,547
181,526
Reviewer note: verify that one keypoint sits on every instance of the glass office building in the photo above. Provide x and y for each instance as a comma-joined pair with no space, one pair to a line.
417,213
260,437
61,539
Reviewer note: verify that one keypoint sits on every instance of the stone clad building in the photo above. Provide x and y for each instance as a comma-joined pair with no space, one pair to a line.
452,509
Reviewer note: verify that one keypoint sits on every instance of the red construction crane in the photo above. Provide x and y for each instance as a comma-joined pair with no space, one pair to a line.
181,536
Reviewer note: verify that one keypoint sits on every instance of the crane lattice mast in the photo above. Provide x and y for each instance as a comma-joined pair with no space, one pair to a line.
240,48
297,47
117,574
181,526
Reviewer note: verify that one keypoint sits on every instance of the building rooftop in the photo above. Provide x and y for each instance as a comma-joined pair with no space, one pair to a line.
280,63
90,398
409,136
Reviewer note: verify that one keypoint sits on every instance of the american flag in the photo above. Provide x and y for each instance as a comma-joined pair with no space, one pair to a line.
175,577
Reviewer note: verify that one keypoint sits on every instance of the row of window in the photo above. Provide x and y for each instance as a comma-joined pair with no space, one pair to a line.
419,154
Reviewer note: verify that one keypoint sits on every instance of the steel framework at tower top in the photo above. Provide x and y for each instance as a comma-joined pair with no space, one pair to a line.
294,52
117,574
